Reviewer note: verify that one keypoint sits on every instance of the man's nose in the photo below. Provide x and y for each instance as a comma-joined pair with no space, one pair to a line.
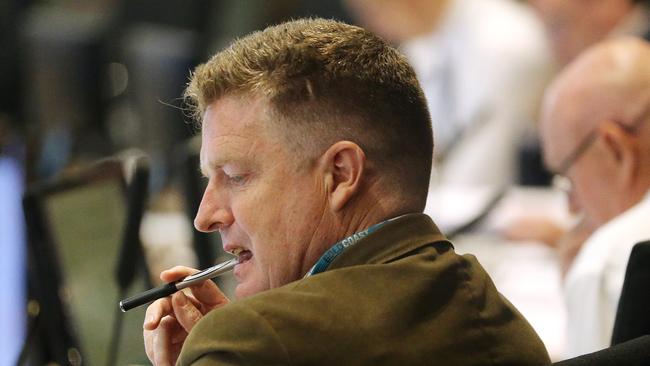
213,213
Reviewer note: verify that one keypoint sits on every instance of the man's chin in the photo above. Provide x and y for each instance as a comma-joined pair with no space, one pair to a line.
246,289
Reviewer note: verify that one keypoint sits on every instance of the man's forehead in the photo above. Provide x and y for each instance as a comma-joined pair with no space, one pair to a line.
230,134
221,120
235,116
219,150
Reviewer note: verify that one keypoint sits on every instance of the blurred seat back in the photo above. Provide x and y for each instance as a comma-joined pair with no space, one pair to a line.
633,314
635,352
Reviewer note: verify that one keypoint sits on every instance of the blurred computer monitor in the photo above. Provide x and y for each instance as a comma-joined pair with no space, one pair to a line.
12,260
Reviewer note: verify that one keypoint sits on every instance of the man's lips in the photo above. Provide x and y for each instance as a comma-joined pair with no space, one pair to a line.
244,256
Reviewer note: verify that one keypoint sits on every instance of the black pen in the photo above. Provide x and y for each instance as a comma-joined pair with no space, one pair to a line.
172,287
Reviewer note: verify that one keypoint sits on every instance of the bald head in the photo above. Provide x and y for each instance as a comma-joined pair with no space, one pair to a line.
610,81
604,93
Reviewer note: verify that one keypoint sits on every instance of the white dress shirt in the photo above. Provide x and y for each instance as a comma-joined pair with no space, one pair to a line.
482,70
594,281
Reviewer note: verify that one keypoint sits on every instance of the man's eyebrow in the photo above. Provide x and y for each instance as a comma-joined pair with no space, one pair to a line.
217,163
205,168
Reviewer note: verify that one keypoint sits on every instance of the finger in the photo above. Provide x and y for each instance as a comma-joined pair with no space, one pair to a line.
176,273
156,311
208,294
179,337
202,307
162,342
177,340
185,311
148,336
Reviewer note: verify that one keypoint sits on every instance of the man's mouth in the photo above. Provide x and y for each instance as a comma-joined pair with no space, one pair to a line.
242,254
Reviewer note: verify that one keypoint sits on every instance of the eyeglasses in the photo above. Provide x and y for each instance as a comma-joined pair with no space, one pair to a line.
577,153
560,181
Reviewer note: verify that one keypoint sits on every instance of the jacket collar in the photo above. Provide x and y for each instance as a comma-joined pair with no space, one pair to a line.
391,241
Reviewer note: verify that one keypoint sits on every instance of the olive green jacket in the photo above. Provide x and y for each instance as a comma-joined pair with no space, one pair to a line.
399,296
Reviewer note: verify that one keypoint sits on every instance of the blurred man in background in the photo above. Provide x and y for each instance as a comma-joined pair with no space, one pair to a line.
573,26
483,65
316,141
595,132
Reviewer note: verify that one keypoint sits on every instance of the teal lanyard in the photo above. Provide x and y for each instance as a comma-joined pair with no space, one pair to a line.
326,259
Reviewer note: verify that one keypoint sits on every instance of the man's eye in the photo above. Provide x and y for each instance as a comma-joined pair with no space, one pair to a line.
236,179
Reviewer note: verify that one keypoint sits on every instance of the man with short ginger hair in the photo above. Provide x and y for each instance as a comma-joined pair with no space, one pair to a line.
316,143
595,132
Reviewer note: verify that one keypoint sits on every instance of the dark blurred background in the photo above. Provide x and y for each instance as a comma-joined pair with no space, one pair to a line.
83,79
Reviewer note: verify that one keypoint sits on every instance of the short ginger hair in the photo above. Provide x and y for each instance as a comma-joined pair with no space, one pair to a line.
328,81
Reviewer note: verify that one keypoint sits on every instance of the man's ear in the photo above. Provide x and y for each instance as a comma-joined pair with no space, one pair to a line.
344,168
621,145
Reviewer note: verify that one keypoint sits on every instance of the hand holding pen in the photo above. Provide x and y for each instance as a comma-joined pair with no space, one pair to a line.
168,320
172,287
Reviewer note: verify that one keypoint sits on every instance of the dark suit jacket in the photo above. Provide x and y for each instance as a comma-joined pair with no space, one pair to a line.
400,296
